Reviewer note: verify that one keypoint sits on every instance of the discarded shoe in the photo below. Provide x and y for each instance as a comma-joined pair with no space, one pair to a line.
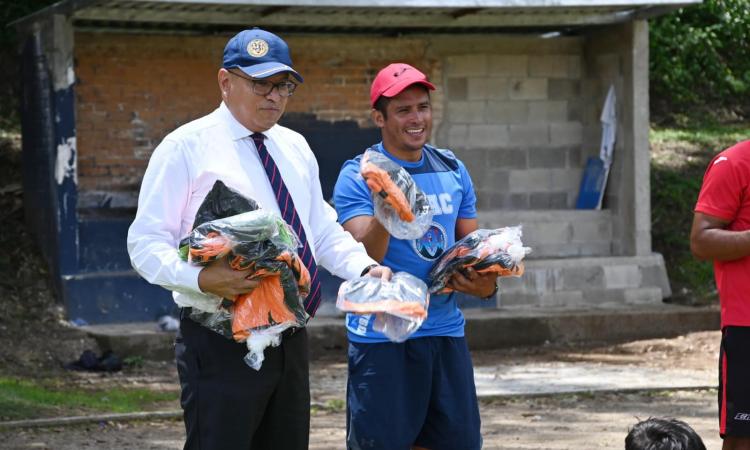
88,361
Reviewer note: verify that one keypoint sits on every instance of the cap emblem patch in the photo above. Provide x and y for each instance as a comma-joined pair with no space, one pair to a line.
257,48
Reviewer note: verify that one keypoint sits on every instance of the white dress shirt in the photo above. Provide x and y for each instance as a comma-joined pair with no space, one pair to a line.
183,169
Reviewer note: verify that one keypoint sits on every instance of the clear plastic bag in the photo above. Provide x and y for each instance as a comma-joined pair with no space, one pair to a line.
251,236
400,304
257,343
399,204
256,240
500,251
395,328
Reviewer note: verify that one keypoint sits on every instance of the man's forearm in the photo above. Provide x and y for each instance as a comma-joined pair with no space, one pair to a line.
371,233
375,240
721,245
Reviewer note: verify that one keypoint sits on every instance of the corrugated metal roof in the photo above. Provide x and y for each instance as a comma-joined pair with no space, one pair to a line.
396,15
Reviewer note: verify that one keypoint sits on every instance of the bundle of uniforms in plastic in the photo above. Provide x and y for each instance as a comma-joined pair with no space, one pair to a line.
399,204
500,251
228,225
400,304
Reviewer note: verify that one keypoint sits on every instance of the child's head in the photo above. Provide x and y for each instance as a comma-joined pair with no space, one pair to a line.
663,434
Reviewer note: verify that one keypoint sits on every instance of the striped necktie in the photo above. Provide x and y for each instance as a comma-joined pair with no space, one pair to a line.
289,214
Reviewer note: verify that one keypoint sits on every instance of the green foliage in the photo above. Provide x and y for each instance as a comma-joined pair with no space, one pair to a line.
24,399
336,405
700,60
673,197
133,362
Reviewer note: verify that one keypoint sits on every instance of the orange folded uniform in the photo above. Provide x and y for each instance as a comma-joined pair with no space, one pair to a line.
381,183
272,302
214,246
485,251
395,307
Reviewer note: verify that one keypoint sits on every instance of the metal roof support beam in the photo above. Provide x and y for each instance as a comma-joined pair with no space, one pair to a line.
358,14
353,19
465,12
273,10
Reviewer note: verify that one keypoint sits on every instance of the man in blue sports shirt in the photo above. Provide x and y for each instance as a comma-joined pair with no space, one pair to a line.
417,394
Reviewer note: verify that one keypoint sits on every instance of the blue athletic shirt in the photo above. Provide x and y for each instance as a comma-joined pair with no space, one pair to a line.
447,184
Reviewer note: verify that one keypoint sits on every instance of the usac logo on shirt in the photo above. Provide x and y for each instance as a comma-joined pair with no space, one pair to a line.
432,244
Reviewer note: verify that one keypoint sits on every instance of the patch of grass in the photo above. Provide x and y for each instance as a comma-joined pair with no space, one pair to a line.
679,159
25,399
332,405
713,137
336,404
134,362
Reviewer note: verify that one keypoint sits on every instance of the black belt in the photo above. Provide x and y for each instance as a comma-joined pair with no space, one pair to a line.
289,331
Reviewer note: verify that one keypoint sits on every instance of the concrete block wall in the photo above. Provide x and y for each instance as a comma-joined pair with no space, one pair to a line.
587,282
557,233
618,56
513,113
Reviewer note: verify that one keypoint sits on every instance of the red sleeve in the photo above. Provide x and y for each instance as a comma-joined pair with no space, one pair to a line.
721,193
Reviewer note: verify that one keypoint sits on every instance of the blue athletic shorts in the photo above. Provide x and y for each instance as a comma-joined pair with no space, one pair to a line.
420,392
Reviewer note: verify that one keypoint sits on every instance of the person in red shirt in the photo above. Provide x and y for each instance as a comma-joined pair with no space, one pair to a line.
721,232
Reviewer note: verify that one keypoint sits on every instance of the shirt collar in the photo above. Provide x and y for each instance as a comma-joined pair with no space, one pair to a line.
401,162
236,129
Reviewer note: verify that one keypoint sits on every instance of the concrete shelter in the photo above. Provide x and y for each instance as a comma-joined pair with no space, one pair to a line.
521,85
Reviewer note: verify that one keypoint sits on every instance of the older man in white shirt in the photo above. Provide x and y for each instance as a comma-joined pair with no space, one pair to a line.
226,404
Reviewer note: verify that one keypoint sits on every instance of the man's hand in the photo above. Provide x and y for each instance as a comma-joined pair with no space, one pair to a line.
383,272
477,284
220,279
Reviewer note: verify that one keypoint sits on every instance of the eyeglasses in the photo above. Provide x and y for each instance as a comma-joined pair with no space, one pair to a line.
263,87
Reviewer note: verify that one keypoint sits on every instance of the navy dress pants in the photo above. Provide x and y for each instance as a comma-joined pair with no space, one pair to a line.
228,405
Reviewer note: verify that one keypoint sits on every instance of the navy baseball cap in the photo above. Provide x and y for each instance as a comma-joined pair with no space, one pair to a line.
259,54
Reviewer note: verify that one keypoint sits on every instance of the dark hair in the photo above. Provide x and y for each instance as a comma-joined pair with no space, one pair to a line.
381,104
663,434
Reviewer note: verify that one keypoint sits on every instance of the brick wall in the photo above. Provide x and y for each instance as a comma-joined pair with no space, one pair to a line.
131,91
134,89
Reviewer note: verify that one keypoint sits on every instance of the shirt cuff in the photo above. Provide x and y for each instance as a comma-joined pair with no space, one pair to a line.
367,269
358,265
188,276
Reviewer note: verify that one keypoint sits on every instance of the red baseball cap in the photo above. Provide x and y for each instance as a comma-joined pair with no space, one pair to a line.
394,78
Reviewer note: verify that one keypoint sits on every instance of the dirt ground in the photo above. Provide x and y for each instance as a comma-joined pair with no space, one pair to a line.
570,421
559,422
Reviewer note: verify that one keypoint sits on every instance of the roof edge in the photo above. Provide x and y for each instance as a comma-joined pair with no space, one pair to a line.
644,8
